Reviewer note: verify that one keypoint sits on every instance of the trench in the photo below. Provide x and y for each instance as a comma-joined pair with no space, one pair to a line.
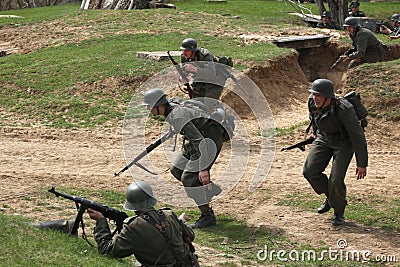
316,62
285,81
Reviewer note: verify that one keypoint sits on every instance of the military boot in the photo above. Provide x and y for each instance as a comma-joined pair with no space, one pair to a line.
206,219
325,207
338,219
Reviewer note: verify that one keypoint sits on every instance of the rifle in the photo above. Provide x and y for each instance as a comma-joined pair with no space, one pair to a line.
341,58
182,74
83,204
146,151
301,145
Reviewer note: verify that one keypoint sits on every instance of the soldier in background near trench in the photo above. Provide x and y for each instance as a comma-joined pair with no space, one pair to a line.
338,135
366,47
327,22
393,33
354,10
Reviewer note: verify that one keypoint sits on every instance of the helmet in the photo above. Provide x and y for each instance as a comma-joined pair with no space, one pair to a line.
139,196
326,14
351,21
323,87
354,4
189,44
396,17
154,98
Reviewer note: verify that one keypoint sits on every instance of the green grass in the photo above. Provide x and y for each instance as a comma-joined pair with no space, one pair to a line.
377,211
232,238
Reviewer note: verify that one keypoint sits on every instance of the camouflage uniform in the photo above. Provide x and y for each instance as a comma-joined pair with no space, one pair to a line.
367,47
146,242
206,82
195,127
339,135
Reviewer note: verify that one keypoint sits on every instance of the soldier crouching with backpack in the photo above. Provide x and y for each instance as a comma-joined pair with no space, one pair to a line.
203,139
338,135
155,237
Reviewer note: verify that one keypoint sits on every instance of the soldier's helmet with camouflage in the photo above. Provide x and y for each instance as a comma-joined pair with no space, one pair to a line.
139,196
323,87
154,98
352,22
326,14
189,44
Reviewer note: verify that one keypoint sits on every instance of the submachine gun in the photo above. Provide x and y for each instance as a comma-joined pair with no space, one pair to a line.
341,57
83,204
301,145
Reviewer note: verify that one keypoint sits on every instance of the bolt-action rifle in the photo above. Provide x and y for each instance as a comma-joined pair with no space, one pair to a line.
301,145
83,204
182,74
341,57
146,151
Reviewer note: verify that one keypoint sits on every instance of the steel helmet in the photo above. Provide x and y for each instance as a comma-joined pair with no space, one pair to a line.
139,196
396,17
354,4
323,87
154,98
351,21
189,44
326,14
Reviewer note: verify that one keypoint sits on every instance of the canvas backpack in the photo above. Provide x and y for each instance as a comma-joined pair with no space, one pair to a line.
355,99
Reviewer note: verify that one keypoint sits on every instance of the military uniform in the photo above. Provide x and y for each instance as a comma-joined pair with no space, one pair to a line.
367,46
331,25
151,246
197,153
207,82
359,13
339,135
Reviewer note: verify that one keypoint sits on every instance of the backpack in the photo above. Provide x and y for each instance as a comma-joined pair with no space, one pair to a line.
227,121
355,99
226,61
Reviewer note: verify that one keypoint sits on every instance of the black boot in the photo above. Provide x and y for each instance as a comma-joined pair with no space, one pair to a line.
207,218
338,219
325,207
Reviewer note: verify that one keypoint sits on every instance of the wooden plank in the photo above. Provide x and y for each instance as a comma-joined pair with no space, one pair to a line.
299,42
157,56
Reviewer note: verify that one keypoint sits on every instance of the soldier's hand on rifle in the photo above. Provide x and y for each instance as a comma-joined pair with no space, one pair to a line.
94,214
344,57
361,172
184,80
384,29
204,177
190,68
